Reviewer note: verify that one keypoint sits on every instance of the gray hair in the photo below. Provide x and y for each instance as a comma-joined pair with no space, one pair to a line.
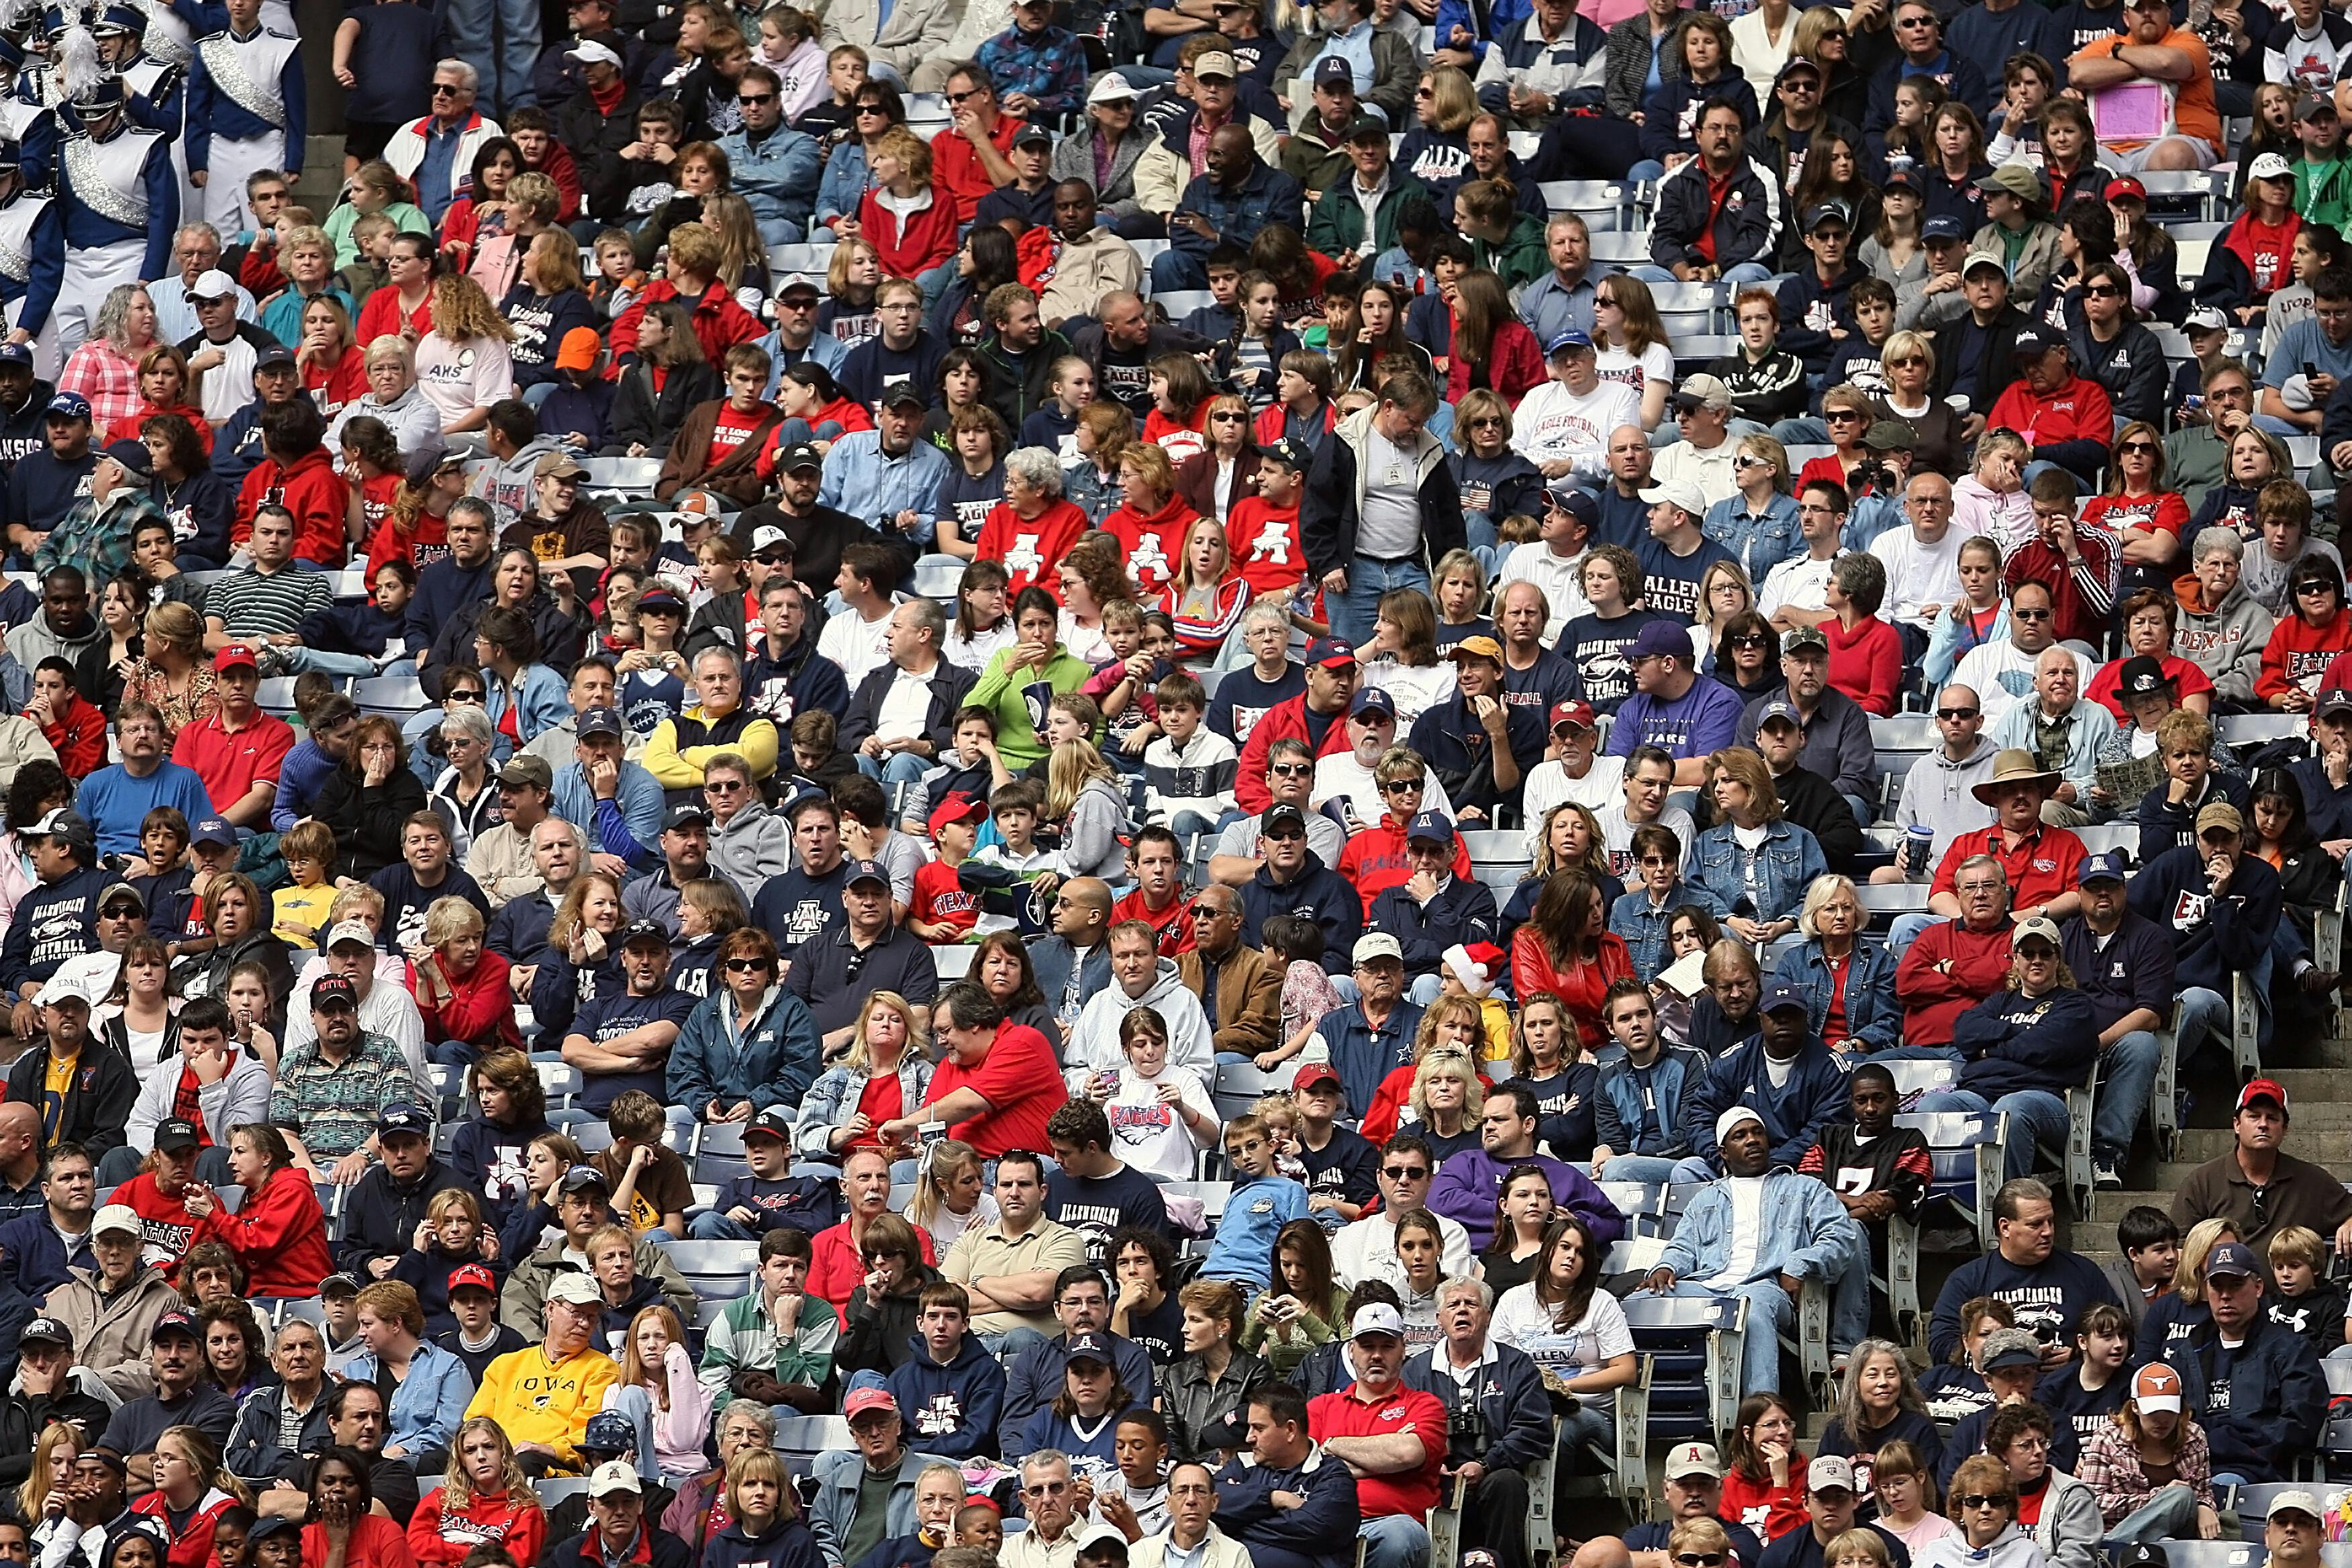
1265,613
928,617
762,1415
1999,870
1453,1285
461,70
1036,466
2225,540
186,229
1037,1459
723,652
475,507
114,315
389,346
470,721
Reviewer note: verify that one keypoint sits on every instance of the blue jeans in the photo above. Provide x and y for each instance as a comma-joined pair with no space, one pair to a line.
2203,1013
1173,270
1658,1169
1738,274
1770,1314
2170,1515
1353,613
637,1404
452,1054
712,1226
1804,431
500,39
2042,1116
297,659
1395,1541
2125,1070
898,768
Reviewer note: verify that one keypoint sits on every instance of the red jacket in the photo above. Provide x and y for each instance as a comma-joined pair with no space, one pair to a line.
2299,653
913,245
77,736
1283,721
719,323
958,178
564,171
1579,989
1172,924
2082,597
319,498
1946,972
480,1005
1273,419
1866,663
192,1544
1516,367
279,1235
1030,549
428,544
440,1532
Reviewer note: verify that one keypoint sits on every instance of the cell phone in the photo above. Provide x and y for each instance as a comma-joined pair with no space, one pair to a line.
2309,370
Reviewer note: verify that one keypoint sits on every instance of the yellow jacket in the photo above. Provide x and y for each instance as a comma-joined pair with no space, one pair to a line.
539,1400
680,767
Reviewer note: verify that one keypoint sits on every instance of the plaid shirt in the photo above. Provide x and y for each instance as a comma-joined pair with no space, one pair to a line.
1050,67
331,1109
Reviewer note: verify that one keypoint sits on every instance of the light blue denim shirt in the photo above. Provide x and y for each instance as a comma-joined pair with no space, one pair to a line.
869,484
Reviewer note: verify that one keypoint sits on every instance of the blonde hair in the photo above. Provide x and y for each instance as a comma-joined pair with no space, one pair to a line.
1906,343
2189,1279
551,265
731,218
837,271
203,1456
919,1030
906,147
1821,890
459,1486
1073,765
461,310
950,1156
1451,94
449,918
33,1494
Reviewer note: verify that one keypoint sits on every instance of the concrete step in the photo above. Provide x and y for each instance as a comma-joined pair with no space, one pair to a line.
2106,1208
2315,1087
2328,1145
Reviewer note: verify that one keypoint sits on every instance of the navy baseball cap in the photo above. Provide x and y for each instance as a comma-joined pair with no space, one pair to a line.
16,353
1771,710
211,830
609,1432
1786,994
866,871
1286,452
2031,341
2107,866
1943,228
1434,825
1577,502
2233,1260
70,406
1571,339
601,722
685,813
405,1120
1089,1347
274,356
1332,653
580,1178
1371,700
645,931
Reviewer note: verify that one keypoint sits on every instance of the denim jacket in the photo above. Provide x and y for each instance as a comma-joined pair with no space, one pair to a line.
778,175
1789,860
1268,195
1643,924
1620,1119
1873,1016
1802,1231
1759,542
834,1100
842,185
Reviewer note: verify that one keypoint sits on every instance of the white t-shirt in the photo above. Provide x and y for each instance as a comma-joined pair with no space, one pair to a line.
858,646
1746,1232
1710,469
1656,363
1151,1136
1548,784
1341,776
1802,581
1617,834
1560,577
1414,687
1918,575
1552,424
1527,1324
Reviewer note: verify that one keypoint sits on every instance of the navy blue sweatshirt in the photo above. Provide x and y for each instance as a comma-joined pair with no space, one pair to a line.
2010,1043
1794,1114
2047,1297
2211,939
1319,1534
952,1411
1809,308
359,628
1319,893
443,589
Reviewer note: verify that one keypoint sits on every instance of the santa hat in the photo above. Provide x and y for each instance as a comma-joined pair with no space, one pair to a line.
1477,966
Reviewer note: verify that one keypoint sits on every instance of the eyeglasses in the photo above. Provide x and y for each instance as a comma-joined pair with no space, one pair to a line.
1840,416
2303,588
722,787
1657,861
1405,1172
1906,361
1422,93
745,966
463,697
1401,786
1979,1499
1485,422
1700,1559
2016,614
1957,712
1291,770
1750,639
1284,835
1227,418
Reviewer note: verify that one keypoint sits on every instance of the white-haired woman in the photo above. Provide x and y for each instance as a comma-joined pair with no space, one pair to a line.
1849,984
105,368
392,396
466,792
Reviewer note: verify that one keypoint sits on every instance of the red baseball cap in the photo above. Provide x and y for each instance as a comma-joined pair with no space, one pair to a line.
1572,711
1312,1074
232,656
2124,187
473,1274
957,807
862,1400
2267,1089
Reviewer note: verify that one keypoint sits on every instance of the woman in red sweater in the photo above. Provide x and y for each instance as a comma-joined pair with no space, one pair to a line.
462,988
1866,654
1567,948
404,302
191,1491
485,1500
340,1531
278,1233
162,389
1492,347
2138,509
2304,643
1764,1474
907,220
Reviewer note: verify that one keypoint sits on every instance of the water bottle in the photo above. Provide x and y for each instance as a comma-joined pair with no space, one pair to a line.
1918,845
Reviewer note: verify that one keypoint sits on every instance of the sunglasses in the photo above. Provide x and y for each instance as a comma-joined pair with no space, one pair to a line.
2143,447
2303,588
1486,422
1750,639
871,109
1700,1559
1291,770
443,89
746,965
747,98
1957,712
1979,1499
728,786
1286,835
1840,416
464,697
964,96
1905,362
1405,1172
2030,615
1227,418
2101,292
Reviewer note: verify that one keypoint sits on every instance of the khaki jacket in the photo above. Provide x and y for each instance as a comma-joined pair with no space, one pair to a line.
110,1337
1249,1001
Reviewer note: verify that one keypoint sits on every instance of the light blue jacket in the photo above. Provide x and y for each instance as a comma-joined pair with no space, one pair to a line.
1643,924
838,1475
1944,649
778,177
1873,1016
2089,727
1789,860
636,819
537,697
834,1102
1759,542
1254,1215
426,1409
841,188
1802,1231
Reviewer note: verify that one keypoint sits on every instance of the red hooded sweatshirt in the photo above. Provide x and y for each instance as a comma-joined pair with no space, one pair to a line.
1374,859
309,489
1152,544
2299,652
279,1235
77,735
440,1532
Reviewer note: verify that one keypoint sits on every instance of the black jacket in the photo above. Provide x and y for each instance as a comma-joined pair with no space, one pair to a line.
1746,229
949,682
25,1416
98,1099
642,416
367,823
2131,368
879,1338
1993,371
1327,516
381,1216
1016,392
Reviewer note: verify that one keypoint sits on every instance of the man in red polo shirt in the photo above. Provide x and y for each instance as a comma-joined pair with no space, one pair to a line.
968,158
238,751
1158,901
997,1084
2040,860
1390,1437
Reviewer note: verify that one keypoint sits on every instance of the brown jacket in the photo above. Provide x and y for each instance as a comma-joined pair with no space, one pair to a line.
688,462
1249,998
1196,479
2299,1193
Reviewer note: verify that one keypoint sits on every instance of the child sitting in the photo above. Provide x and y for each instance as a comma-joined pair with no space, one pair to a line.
163,876
1189,770
649,1182
1056,424
1121,688
1281,1119
1296,942
1014,809
1262,1201
2084,1397
619,280
2306,1301
2151,1249
1157,1133
970,766
943,911
298,913
1471,971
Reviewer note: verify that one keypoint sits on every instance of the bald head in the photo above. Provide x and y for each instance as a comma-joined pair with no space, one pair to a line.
20,1136
1233,156
1123,318
1092,892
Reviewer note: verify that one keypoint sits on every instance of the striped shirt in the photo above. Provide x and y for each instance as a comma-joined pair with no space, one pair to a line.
251,604
332,1108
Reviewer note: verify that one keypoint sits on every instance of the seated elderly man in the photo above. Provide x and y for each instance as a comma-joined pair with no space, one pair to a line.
1497,1417
680,748
1765,1249
544,1396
